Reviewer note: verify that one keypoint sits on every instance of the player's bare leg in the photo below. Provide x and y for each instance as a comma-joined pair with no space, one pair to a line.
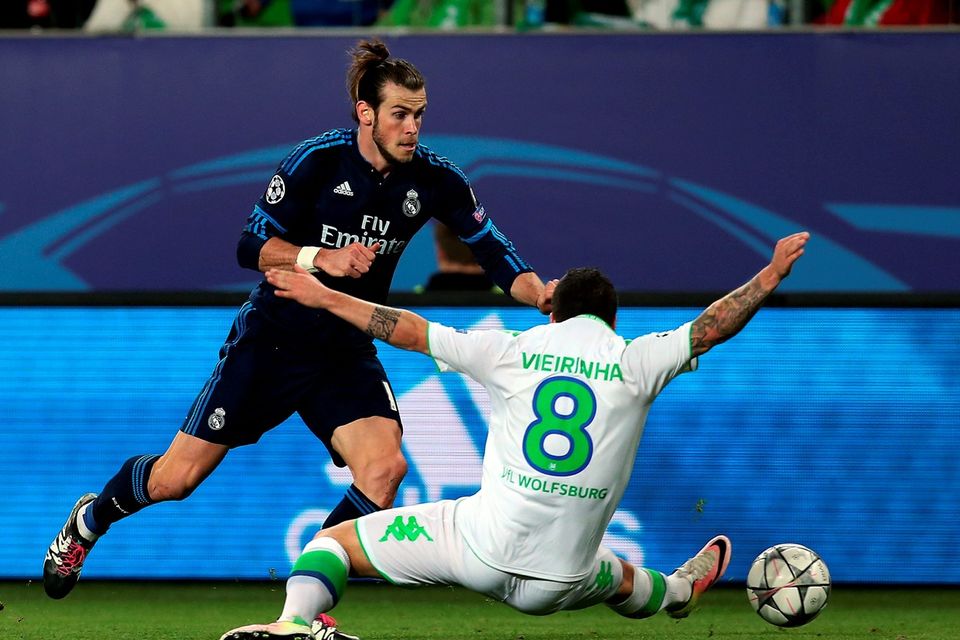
187,462
371,449
140,482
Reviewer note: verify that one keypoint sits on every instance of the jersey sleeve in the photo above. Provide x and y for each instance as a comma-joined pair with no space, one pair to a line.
288,195
475,353
657,358
492,249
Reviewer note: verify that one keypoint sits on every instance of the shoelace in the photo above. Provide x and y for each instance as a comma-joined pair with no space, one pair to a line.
699,565
327,620
73,557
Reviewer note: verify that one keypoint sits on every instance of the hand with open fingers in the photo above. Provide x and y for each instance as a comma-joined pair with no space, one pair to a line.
353,260
787,251
299,285
545,299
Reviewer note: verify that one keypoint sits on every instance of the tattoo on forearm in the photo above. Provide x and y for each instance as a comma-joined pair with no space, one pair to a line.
726,317
383,322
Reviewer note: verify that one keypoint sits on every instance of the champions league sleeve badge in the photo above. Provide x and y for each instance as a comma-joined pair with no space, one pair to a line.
411,206
275,190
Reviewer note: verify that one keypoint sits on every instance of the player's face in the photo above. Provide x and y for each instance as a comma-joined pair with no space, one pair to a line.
396,125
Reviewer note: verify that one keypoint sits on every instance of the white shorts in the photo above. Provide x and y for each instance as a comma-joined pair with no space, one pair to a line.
420,545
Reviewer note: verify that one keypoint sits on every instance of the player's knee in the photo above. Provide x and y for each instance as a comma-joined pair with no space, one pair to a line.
382,475
338,531
388,469
536,604
532,609
394,469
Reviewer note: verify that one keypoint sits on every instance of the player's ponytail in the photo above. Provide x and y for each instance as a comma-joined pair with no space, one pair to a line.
371,68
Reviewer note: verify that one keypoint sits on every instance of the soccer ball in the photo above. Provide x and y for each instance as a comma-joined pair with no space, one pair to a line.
788,585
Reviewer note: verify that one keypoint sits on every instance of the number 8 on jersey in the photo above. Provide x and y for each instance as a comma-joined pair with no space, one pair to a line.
572,426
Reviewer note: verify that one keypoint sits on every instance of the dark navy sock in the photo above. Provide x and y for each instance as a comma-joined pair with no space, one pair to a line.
353,505
123,495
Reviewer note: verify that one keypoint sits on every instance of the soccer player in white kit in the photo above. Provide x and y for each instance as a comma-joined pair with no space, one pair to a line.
569,402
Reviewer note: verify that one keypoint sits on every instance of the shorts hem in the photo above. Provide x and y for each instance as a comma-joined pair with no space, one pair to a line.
363,547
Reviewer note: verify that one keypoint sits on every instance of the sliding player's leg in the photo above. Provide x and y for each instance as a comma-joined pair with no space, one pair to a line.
644,592
703,571
407,546
639,592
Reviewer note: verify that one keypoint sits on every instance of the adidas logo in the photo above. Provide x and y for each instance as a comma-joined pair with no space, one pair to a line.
343,189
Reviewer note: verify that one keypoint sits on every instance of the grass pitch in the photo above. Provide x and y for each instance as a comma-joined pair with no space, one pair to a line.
203,611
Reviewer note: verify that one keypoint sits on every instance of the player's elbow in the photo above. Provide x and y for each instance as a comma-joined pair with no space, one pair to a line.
410,341
410,333
248,250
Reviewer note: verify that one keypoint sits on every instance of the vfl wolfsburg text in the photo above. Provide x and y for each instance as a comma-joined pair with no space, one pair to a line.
552,486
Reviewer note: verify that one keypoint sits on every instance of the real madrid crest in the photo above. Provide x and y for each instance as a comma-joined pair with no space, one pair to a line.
217,419
411,206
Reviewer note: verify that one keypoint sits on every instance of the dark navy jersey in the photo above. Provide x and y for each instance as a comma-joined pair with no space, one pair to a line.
325,194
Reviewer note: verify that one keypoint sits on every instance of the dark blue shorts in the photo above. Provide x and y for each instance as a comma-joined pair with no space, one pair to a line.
264,377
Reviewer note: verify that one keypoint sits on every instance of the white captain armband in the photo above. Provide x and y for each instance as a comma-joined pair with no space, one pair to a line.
305,258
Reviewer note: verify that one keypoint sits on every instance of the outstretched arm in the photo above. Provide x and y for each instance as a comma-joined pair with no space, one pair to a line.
529,289
401,328
727,316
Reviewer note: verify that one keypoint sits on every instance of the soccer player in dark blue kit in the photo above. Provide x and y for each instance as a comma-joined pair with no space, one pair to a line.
342,205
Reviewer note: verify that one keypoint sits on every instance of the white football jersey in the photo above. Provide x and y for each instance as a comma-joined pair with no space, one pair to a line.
568,405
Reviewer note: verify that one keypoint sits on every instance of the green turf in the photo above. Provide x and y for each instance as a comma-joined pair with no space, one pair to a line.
195,611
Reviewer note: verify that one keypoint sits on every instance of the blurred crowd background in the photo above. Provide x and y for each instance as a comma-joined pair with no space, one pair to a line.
191,15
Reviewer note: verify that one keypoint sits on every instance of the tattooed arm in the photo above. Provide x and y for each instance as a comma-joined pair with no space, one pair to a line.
401,328
727,316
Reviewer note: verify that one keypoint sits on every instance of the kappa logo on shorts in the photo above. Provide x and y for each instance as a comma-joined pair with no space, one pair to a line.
217,419
409,530
411,206
604,577
276,190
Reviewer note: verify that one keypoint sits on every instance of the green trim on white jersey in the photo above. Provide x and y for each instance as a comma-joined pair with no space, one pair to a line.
593,317
430,350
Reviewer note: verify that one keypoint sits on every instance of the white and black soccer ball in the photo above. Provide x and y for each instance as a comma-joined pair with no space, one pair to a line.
788,585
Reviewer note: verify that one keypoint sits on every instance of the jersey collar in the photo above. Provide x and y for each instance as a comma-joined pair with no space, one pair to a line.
590,316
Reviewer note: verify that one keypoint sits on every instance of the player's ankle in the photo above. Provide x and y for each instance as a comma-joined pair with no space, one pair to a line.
679,590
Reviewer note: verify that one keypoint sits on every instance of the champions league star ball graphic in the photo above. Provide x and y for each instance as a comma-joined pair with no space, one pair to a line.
63,250
788,585
275,190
